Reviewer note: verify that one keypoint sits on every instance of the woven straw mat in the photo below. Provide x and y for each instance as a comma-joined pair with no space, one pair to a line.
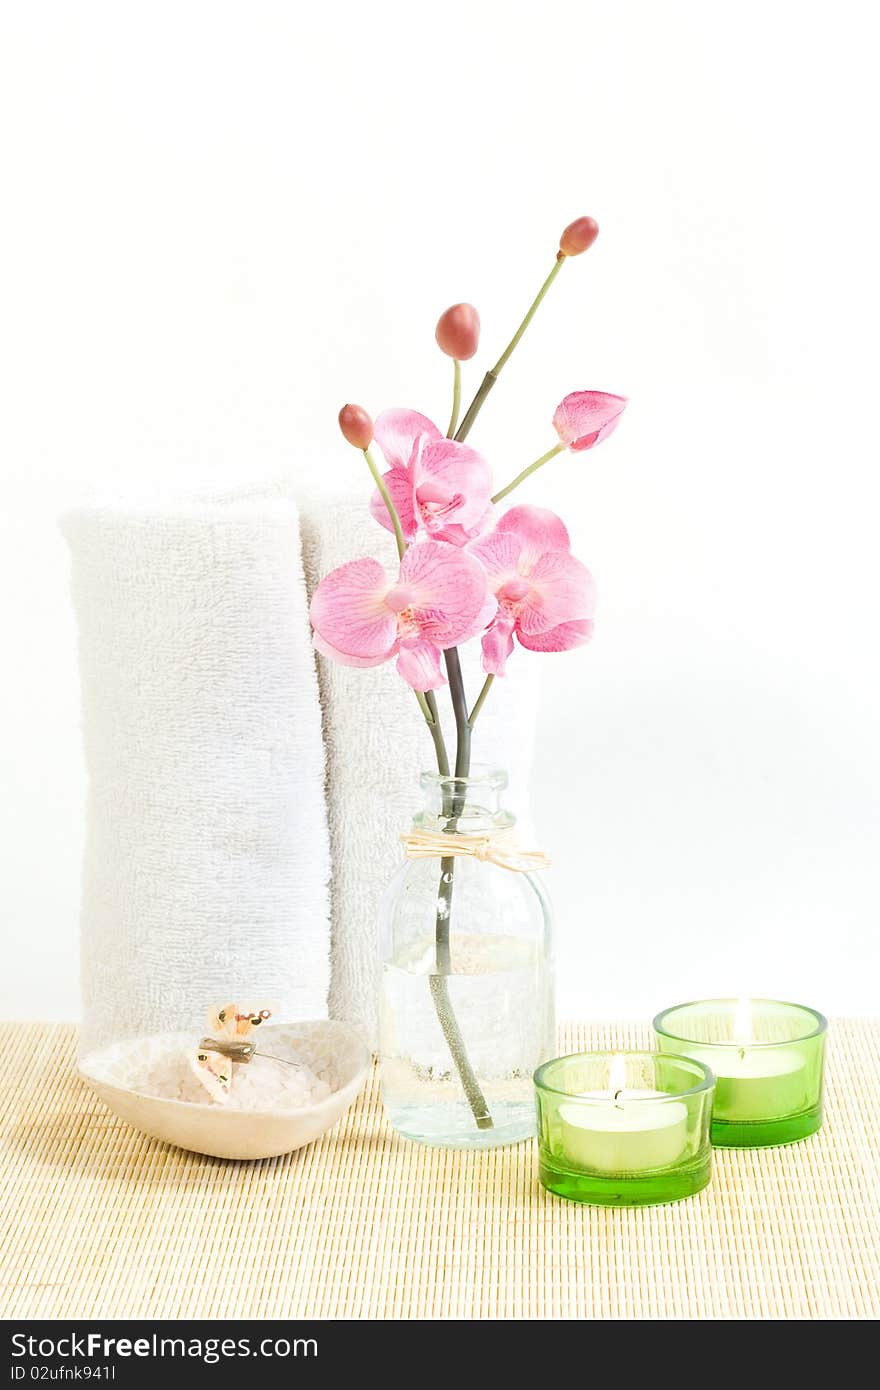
97,1221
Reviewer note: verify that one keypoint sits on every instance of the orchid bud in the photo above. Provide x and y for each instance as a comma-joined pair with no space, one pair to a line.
578,236
584,418
356,425
458,332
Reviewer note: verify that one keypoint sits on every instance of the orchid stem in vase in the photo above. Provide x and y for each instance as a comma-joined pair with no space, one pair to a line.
452,808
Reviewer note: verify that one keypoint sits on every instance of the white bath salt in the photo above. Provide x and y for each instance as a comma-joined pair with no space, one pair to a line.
264,1084
163,1067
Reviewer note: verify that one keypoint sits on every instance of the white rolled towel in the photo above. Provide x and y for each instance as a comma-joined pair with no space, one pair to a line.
207,859
377,746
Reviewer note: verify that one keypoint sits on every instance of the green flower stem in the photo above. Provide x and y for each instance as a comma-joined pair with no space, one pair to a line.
423,706
532,468
452,809
439,981
456,398
386,498
432,718
476,406
533,308
491,377
480,700
475,1098
462,727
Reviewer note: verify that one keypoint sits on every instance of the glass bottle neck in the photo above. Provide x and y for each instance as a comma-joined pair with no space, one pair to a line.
468,805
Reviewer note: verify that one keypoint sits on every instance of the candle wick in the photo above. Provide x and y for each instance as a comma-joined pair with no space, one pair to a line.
742,1053
617,1093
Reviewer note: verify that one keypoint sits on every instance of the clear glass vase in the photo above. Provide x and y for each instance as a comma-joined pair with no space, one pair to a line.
466,1009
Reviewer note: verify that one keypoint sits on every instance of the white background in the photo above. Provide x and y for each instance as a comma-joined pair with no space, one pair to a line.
222,220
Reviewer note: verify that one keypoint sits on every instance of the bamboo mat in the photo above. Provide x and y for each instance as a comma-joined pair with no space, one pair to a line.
97,1221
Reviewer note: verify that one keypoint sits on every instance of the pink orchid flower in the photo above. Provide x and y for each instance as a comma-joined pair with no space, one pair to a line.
585,418
439,488
545,596
440,598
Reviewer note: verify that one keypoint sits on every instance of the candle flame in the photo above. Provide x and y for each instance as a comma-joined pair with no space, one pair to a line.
617,1074
742,1021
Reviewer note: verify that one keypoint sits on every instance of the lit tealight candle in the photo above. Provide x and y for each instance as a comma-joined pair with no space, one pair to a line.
604,1142
756,1081
623,1132
767,1057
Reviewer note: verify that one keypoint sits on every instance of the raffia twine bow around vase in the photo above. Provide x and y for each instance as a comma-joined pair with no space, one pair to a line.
498,847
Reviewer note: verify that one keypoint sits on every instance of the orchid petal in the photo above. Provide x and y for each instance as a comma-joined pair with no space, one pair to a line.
537,530
419,664
349,614
497,646
400,435
498,553
456,535
453,485
485,616
559,639
449,591
400,489
561,589
484,522
342,658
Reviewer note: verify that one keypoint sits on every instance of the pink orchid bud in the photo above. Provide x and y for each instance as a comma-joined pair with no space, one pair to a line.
458,332
585,418
356,425
578,236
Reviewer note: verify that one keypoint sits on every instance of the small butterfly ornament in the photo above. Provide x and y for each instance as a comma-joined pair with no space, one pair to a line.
217,1056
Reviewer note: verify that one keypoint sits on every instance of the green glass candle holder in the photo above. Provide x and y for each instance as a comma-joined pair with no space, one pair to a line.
625,1129
768,1059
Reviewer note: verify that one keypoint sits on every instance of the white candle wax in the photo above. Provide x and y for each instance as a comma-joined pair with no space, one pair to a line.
758,1083
612,1136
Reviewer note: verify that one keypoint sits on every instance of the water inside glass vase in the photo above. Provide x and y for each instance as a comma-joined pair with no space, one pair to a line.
466,1008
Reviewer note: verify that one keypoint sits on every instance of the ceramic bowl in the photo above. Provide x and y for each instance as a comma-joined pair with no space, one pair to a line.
332,1050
